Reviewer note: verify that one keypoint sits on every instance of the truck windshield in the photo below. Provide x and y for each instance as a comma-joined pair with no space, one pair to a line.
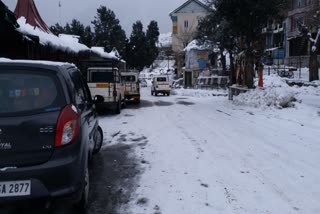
129,78
162,79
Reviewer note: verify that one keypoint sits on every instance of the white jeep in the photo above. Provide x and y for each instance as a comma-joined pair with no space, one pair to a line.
160,84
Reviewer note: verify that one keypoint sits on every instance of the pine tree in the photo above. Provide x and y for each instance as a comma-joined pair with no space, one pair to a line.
108,31
57,29
152,38
87,37
137,53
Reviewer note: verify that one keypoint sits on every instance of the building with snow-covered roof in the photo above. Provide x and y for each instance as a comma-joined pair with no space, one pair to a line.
185,21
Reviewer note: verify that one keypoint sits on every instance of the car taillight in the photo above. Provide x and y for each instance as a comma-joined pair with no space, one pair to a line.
114,93
68,126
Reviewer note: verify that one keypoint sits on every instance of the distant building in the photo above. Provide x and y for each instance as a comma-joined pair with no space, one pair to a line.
197,61
297,46
185,20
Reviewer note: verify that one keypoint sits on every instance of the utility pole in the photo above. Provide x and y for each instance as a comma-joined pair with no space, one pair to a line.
60,12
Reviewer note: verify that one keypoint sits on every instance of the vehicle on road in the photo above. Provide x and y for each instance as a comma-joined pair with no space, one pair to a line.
106,82
160,84
131,86
49,132
143,83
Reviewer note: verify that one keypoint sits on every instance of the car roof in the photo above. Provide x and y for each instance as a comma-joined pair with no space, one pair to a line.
36,63
102,68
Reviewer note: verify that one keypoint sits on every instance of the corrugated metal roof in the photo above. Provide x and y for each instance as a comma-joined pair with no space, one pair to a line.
28,9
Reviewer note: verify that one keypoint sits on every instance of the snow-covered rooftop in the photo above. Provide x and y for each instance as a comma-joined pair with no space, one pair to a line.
100,51
195,45
63,43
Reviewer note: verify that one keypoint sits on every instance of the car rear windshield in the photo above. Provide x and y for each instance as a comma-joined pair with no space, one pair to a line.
22,92
102,76
161,79
129,78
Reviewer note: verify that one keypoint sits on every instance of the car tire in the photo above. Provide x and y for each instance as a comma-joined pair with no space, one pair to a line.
168,94
118,109
156,94
98,140
82,205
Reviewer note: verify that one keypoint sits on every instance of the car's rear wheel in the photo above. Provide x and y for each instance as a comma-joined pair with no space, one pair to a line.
98,140
82,205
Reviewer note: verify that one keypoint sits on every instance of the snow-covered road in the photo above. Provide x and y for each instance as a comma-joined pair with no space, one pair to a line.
208,155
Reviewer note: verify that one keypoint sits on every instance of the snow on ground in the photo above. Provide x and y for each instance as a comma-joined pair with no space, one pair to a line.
209,155
276,93
199,93
159,67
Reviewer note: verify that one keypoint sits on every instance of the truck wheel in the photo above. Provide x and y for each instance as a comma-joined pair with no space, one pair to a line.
118,109
168,94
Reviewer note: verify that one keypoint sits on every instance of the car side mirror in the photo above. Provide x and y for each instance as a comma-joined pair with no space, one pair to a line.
98,99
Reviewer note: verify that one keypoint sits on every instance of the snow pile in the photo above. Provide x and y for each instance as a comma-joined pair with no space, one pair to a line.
276,93
165,40
199,93
61,43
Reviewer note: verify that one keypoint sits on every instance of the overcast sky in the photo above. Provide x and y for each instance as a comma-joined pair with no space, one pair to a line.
127,11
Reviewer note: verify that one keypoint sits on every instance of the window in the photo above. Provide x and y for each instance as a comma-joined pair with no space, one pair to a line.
129,78
80,95
24,92
161,79
186,24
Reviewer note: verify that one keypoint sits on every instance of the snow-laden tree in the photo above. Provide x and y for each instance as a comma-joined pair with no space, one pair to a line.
245,20
152,37
219,32
74,28
108,31
311,30
138,49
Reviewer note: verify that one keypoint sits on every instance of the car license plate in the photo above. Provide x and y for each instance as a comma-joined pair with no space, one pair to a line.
15,188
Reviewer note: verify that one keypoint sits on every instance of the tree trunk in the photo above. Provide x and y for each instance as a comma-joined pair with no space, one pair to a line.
232,74
223,61
313,67
249,68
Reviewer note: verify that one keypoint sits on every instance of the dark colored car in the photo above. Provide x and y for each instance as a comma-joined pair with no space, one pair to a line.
48,132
